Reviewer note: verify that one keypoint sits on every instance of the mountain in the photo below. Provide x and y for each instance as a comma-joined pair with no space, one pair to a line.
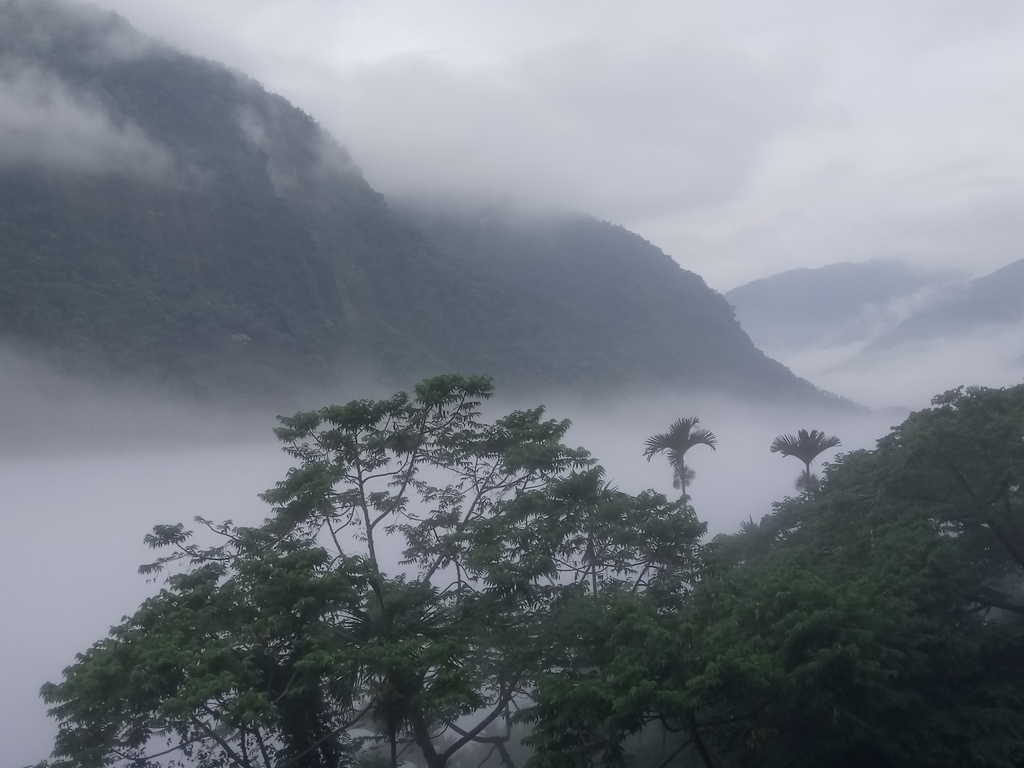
997,299
199,230
832,305
610,305
166,219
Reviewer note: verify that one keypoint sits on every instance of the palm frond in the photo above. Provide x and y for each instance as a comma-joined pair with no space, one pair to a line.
656,444
806,446
680,438
703,437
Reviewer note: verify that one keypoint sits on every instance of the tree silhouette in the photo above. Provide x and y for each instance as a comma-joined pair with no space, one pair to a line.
680,438
806,446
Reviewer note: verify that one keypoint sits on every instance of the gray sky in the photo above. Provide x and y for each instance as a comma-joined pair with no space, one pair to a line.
743,138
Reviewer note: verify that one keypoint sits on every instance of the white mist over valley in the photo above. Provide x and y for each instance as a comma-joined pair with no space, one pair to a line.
770,219
87,475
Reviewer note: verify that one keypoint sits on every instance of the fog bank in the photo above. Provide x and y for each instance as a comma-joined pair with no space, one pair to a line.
910,375
85,473
742,139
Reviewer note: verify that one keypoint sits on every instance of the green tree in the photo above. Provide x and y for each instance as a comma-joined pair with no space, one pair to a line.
681,437
806,446
438,551
235,663
879,621
618,567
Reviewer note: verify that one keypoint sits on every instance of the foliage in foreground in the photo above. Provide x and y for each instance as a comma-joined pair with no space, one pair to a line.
873,621
681,437
288,643
806,446
876,621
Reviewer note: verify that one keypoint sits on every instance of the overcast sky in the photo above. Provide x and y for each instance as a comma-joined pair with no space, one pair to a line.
744,138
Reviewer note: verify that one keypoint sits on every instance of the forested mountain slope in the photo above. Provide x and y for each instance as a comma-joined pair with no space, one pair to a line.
835,304
612,305
165,218
992,300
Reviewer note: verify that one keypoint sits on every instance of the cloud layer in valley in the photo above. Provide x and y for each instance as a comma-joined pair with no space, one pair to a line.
87,472
910,375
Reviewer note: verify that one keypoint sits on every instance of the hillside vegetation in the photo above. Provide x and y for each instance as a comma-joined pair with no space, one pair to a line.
986,302
166,219
836,304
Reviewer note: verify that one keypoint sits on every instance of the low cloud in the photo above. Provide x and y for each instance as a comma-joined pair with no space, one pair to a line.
744,140
50,27
967,216
127,461
45,123
599,126
910,375
265,128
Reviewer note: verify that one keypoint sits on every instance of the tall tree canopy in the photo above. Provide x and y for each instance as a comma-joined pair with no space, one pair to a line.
681,437
806,446
878,621
887,608
415,559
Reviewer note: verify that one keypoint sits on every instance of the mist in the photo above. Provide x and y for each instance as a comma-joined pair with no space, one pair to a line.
45,123
742,140
909,375
73,540
88,470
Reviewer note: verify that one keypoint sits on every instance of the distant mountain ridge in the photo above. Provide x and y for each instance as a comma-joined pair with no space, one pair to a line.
833,305
165,218
878,305
996,299
881,330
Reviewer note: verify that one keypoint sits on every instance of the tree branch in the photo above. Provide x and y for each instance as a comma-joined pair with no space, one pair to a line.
220,741
468,736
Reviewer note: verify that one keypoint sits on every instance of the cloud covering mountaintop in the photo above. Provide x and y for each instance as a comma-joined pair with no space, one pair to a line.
744,139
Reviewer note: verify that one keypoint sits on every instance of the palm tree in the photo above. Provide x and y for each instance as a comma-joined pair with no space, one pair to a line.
806,446
680,438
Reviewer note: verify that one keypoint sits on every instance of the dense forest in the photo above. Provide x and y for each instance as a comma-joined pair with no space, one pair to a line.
434,587
167,220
